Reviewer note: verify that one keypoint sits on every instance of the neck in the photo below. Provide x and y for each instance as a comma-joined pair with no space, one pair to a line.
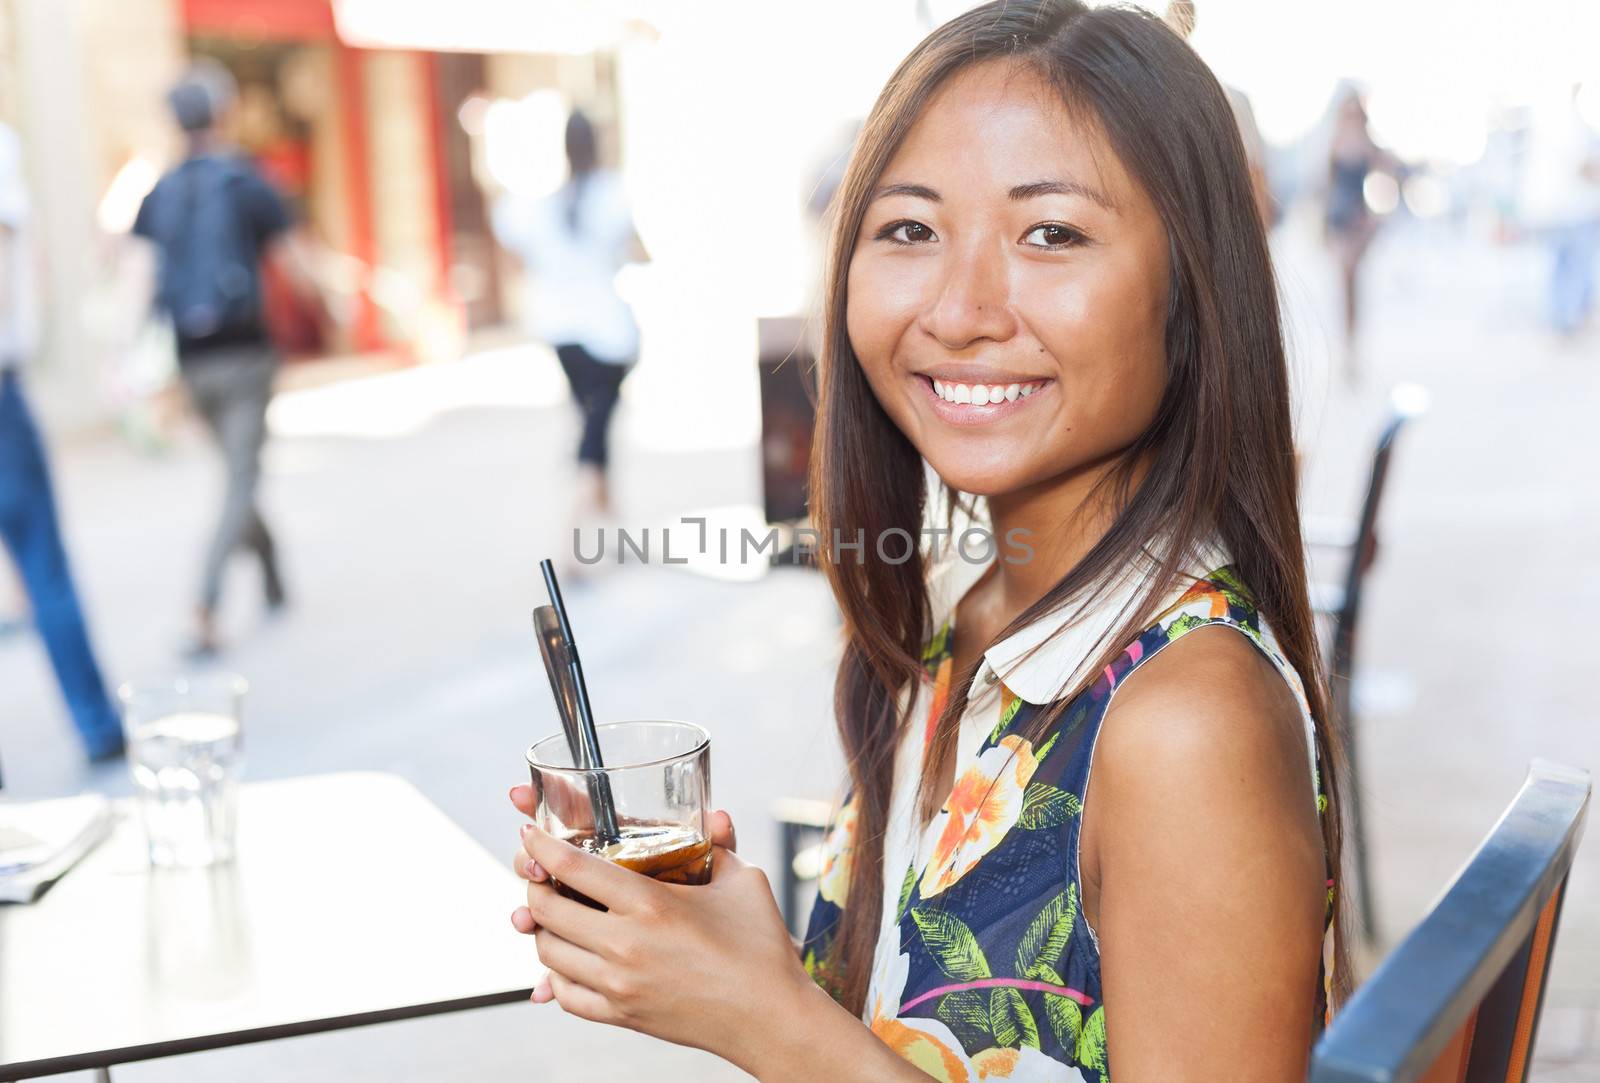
203,143
1062,519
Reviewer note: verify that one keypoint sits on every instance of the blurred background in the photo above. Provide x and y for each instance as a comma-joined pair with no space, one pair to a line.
1432,184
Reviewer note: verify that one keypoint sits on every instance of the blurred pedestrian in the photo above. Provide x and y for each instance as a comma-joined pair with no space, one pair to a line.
28,520
213,221
1562,204
1350,224
574,242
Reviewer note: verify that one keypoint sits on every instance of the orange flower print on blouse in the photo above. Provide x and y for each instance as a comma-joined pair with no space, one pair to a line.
987,801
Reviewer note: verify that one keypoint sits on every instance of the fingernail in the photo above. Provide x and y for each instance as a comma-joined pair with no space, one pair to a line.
525,829
534,870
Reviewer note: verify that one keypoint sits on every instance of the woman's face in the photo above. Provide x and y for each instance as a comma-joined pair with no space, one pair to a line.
1008,293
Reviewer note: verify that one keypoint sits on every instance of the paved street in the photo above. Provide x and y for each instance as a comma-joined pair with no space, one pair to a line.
413,510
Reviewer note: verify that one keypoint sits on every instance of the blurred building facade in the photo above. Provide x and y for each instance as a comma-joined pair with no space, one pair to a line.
358,112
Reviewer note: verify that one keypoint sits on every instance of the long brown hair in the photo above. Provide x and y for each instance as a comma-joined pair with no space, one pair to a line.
1219,452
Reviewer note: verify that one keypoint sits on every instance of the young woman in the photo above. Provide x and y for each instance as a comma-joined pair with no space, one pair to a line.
574,241
1349,224
1091,825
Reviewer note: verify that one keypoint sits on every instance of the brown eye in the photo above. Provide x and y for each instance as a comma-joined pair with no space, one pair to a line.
1052,235
906,232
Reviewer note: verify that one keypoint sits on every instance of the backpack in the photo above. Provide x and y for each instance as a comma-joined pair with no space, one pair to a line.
209,281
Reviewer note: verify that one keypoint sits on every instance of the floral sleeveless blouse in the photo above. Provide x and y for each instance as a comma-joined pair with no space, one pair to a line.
997,972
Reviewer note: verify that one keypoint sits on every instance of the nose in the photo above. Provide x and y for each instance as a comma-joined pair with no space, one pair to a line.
973,300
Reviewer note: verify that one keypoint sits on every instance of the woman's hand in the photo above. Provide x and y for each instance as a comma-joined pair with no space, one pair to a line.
710,966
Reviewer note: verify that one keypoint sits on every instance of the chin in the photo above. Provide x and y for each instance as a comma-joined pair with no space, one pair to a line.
981,476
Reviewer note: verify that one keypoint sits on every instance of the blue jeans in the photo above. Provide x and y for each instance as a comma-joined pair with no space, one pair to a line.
1572,275
33,537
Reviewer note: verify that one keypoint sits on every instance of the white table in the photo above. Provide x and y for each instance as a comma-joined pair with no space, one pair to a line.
353,900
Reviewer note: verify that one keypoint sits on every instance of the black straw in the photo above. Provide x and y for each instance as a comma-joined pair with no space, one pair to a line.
587,752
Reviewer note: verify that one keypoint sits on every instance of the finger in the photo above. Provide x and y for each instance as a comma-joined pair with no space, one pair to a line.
720,826
581,1001
522,797
610,885
527,868
571,920
572,961
541,992
724,862
522,920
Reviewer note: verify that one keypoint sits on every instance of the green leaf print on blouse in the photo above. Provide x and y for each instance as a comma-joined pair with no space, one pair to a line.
1010,1021
1185,623
1066,1019
1091,1050
994,1005
1045,939
969,1007
953,947
1008,711
951,944
1044,806
905,892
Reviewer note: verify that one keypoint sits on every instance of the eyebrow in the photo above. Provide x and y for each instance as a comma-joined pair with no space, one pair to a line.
1018,194
1062,188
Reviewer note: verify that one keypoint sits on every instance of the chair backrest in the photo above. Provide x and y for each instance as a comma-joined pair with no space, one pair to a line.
1458,1001
1364,550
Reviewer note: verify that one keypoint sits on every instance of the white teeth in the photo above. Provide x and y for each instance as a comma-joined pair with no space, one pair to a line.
982,394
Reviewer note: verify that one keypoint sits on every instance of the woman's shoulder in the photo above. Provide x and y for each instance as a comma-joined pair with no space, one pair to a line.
1213,717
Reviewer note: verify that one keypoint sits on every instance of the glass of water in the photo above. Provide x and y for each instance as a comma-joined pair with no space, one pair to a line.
183,749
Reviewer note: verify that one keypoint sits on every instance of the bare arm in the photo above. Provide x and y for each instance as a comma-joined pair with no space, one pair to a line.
820,1040
1211,869
288,254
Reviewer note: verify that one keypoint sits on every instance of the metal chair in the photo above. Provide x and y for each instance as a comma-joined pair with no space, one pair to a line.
1341,605
1459,1000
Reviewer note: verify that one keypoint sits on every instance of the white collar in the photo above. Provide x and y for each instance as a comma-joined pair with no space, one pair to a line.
1067,642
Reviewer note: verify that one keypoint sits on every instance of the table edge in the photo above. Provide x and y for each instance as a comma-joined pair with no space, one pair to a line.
108,1058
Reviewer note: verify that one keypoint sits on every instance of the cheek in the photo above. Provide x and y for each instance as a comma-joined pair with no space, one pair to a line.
881,305
1106,331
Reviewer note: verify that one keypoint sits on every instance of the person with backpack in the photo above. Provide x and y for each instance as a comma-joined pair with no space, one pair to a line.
214,220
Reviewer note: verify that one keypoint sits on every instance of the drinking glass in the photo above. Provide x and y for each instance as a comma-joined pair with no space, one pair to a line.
183,748
658,774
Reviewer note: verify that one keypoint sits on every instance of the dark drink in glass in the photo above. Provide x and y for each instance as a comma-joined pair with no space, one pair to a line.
659,776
